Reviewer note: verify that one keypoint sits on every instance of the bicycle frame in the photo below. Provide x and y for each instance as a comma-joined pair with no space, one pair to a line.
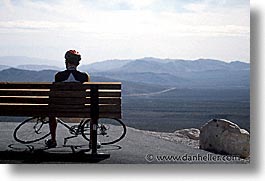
72,129
82,128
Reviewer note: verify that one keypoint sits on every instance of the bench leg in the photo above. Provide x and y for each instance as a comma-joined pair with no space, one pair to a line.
93,139
93,135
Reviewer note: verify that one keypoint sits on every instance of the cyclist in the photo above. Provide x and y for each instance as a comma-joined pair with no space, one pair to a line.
71,74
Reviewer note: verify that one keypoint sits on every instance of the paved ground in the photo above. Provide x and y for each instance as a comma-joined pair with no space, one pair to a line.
136,147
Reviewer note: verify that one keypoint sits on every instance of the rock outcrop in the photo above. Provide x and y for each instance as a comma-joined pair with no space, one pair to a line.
224,137
191,133
189,137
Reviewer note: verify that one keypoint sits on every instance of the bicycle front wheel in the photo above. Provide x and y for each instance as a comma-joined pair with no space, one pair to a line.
32,130
109,131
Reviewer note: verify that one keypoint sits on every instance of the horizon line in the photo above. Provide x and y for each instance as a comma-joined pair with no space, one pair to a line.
124,59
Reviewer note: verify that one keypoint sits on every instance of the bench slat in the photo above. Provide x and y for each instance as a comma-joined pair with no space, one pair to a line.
33,92
25,85
109,94
65,94
24,93
47,108
116,101
60,85
86,108
69,101
32,100
87,85
76,107
37,100
86,115
61,114
57,101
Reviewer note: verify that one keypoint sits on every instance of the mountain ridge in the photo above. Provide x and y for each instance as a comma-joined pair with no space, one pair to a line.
200,73
163,65
14,61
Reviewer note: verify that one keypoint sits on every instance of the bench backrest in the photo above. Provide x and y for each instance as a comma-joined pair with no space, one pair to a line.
77,100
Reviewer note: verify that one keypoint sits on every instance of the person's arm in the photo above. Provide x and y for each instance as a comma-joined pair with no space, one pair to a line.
88,78
61,76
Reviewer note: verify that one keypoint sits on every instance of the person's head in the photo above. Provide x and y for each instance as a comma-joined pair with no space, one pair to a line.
72,58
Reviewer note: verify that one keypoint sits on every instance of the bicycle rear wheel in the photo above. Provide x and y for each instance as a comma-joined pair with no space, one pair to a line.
109,131
32,130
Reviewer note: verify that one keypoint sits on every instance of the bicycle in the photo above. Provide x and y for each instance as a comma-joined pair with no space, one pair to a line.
109,131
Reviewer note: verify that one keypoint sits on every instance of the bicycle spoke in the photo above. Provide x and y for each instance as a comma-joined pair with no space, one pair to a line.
32,130
109,131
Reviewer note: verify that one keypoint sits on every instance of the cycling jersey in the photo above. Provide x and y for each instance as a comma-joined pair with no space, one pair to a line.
72,75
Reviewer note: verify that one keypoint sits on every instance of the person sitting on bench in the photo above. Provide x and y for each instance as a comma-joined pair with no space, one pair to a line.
71,74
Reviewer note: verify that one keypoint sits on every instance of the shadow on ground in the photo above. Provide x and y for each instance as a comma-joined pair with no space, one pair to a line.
41,156
67,154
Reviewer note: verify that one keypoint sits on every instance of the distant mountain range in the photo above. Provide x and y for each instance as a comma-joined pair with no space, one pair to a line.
19,75
201,73
171,66
143,75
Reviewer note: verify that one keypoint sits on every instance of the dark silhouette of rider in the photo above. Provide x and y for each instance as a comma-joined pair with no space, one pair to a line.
71,74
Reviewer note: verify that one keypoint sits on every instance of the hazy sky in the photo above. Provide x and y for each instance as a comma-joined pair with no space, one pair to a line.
126,29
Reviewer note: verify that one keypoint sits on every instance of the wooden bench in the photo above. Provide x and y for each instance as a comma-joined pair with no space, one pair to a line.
73,100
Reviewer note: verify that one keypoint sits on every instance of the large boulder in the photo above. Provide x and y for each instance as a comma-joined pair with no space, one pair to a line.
224,137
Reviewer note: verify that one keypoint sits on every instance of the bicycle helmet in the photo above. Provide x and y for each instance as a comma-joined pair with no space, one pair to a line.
73,57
